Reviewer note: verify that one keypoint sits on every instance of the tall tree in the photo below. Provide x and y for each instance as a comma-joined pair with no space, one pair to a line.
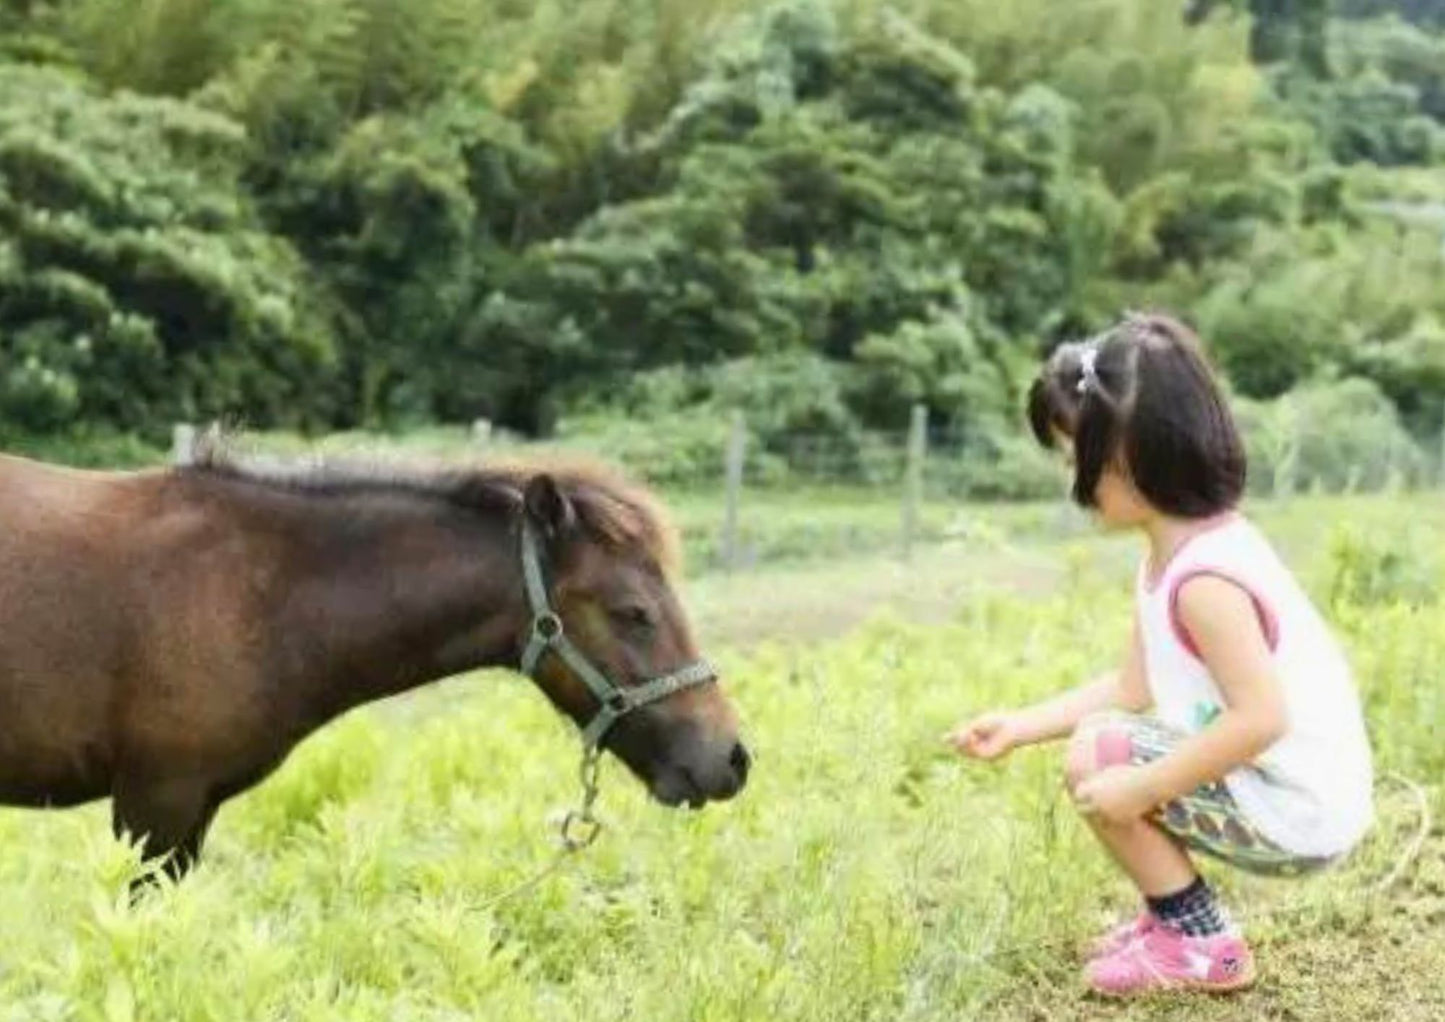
1293,31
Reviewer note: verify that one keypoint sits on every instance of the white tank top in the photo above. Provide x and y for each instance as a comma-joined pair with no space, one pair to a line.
1310,792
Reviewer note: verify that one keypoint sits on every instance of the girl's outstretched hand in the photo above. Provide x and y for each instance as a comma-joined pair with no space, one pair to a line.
987,737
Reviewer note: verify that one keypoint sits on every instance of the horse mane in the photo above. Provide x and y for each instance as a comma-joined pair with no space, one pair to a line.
613,509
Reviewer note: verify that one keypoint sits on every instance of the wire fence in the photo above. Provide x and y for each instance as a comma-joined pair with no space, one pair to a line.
831,493
838,493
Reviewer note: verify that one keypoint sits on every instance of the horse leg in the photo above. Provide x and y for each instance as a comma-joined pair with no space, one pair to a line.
170,816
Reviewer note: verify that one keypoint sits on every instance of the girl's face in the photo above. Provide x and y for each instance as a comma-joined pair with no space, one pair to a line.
1117,503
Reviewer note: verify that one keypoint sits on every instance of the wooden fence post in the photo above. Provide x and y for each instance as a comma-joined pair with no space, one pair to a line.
736,456
1286,469
913,477
183,443
1440,478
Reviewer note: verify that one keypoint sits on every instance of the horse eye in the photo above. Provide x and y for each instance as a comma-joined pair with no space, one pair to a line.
637,618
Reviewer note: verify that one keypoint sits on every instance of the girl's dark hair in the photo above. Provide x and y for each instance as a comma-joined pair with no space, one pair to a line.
1143,392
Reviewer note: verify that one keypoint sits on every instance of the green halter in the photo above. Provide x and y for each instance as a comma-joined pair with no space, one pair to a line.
614,701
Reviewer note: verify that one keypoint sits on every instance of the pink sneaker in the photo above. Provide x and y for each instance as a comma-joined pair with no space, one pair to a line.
1123,935
1165,959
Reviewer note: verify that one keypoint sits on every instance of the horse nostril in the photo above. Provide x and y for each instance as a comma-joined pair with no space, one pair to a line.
740,761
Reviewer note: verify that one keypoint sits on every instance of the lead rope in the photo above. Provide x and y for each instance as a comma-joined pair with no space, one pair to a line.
577,831
580,827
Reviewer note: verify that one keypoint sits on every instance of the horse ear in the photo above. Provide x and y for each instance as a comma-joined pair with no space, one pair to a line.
548,507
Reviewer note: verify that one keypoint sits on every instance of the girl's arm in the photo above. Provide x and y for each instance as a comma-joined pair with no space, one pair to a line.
995,734
1125,689
1222,620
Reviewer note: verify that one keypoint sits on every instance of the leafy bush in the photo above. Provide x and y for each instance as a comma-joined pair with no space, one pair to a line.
1007,467
88,448
1337,435
679,449
1401,52
135,286
1366,304
1370,117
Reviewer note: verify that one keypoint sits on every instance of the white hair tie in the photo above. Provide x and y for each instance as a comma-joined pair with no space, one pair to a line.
1088,374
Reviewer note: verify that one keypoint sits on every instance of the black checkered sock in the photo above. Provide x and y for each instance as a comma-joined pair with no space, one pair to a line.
1194,911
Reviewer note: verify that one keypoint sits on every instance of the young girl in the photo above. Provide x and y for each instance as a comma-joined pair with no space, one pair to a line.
1253,749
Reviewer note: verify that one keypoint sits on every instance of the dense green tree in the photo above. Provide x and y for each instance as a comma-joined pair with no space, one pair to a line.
135,284
568,213
1423,12
1281,31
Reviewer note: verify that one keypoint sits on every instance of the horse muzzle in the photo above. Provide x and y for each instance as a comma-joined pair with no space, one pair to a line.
694,780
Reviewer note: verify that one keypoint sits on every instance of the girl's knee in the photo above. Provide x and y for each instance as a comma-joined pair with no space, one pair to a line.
1080,761
1100,741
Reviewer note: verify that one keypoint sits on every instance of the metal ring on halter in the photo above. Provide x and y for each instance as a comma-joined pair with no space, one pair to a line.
548,627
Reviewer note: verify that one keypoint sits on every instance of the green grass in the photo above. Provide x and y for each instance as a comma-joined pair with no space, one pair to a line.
865,874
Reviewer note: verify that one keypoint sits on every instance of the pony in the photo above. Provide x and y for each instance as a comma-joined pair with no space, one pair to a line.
169,635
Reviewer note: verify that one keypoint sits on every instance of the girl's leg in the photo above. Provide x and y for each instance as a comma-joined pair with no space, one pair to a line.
1148,856
1156,863
1186,941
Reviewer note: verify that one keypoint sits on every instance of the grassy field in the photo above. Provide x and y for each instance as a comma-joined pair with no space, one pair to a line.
865,874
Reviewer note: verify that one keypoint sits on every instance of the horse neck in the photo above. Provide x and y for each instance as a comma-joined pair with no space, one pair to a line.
398,591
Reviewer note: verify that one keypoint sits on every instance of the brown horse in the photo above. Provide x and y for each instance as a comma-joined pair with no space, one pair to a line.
167,637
